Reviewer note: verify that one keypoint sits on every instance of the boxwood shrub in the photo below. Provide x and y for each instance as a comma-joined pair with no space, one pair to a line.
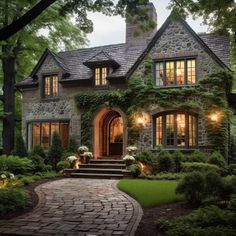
198,166
12,199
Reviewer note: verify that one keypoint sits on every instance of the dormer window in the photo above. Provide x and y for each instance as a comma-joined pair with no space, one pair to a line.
101,76
50,86
176,72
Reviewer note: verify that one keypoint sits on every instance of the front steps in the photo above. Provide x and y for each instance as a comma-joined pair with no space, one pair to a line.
100,168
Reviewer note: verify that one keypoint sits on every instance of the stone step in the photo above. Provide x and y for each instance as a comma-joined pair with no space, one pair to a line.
106,161
103,166
104,171
97,176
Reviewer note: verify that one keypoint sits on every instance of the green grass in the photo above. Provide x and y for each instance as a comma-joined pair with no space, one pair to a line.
150,193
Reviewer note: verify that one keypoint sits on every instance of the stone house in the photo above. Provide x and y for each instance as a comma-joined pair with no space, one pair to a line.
178,58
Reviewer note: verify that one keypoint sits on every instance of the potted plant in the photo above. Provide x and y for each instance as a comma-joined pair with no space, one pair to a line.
87,156
82,149
128,159
131,150
72,161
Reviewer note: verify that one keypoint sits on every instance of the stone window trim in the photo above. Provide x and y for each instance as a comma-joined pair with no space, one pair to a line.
100,85
174,59
29,125
42,83
163,114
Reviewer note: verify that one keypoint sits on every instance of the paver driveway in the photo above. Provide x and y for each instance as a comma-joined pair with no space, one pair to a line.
78,207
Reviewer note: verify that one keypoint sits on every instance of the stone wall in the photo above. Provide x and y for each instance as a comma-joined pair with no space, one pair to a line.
176,42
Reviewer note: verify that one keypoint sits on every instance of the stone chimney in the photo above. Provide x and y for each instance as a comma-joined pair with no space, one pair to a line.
134,35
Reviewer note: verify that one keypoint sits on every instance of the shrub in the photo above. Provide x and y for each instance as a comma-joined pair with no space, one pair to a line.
192,186
226,190
178,157
16,165
73,145
197,156
146,157
12,199
207,221
164,176
213,183
164,161
38,150
61,165
232,169
39,165
135,169
217,159
197,166
20,148
55,151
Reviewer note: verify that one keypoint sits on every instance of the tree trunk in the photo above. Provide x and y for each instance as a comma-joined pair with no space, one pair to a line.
8,66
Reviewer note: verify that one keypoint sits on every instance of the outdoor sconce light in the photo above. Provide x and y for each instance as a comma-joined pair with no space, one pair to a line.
214,117
140,120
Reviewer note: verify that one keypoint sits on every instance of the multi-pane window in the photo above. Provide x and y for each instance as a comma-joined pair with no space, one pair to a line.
176,129
40,133
177,72
100,76
50,86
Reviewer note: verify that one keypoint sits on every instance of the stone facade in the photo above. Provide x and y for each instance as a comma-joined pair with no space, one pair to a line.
175,42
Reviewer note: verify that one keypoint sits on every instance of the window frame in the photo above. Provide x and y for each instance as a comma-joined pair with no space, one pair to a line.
175,59
51,96
164,134
30,133
100,85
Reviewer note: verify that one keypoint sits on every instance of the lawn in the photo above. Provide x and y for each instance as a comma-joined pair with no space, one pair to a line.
150,193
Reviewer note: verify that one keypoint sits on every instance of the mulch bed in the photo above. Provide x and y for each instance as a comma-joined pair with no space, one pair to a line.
148,225
33,198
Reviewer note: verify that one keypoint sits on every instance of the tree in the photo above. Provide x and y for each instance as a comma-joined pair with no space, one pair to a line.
219,14
55,151
81,7
19,53
20,148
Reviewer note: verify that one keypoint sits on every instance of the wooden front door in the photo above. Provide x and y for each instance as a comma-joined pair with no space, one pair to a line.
116,136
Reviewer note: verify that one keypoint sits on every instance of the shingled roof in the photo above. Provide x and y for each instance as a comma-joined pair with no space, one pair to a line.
126,59
219,44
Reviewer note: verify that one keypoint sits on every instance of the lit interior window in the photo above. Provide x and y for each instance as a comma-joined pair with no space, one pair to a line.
176,130
51,86
100,76
159,74
170,73
191,71
180,72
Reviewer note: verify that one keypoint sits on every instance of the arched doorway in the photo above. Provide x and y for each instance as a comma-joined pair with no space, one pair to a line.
109,134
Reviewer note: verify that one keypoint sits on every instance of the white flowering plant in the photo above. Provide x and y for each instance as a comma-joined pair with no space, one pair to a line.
7,179
88,154
131,149
71,158
83,149
128,159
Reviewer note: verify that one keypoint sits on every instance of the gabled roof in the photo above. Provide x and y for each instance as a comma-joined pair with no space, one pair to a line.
57,59
212,52
77,64
101,58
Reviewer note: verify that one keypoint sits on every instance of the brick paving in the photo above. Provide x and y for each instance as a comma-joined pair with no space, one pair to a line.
77,207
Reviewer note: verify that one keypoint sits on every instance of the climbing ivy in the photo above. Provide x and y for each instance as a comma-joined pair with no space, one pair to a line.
208,95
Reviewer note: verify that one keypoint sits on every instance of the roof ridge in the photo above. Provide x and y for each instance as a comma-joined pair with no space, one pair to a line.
89,48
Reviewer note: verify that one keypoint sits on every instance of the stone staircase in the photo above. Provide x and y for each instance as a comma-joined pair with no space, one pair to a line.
103,167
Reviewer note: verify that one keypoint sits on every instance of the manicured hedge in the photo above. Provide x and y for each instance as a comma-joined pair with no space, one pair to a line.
198,166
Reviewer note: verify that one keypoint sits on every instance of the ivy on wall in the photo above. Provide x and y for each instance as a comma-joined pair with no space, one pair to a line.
208,96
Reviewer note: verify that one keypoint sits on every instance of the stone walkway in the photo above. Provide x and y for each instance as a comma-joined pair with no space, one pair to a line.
78,207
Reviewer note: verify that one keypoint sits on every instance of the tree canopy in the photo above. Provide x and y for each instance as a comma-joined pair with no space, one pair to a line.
78,7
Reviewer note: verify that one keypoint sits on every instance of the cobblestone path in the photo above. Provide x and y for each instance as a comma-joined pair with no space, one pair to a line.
77,207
